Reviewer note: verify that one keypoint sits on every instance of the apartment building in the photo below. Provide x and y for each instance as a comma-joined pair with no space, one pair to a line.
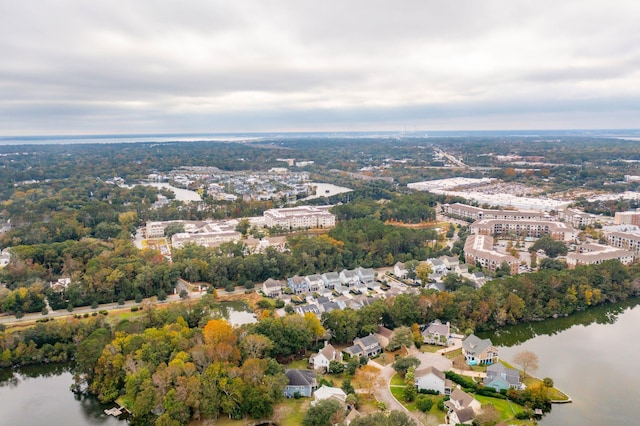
300,217
593,254
560,231
628,240
479,250
464,211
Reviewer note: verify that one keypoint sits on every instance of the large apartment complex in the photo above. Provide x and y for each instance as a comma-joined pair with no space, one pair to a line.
593,254
464,211
478,249
526,228
301,217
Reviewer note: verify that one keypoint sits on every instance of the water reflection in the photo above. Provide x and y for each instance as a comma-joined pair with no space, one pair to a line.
517,334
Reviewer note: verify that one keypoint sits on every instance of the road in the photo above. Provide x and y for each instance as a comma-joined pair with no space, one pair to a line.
383,393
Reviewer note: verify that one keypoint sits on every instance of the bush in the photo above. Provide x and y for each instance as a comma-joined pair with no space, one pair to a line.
94,304
336,367
409,393
429,392
162,296
465,382
490,392
138,298
264,304
183,294
103,312
279,304
134,309
44,311
85,315
70,307
441,404
424,403
93,314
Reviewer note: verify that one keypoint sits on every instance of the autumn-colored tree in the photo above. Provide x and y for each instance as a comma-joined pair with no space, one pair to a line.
527,360
367,378
221,340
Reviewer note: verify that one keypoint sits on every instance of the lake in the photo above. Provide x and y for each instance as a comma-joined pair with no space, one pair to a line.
40,395
590,356
181,194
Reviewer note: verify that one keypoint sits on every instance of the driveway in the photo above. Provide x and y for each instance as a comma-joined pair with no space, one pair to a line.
383,393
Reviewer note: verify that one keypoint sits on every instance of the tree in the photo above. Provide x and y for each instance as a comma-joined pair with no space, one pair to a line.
548,382
402,365
394,418
367,378
424,403
527,360
401,336
423,271
489,416
321,413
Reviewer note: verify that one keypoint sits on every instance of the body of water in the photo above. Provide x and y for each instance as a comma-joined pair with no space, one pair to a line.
326,190
40,395
591,356
181,194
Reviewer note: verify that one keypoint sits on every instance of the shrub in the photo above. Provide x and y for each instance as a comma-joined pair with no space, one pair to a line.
44,311
409,393
85,315
134,309
103,312
429,392
336,367
424,403
94,304
465,382
93,314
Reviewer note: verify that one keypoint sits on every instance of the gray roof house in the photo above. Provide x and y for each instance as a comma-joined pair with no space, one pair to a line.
331,279
365,346
349,278
479,351
303,309
315,282
302,382
500,377
437,333
272,288
298,284
366,275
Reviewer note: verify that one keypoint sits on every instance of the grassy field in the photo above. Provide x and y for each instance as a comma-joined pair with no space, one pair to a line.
432,348
397,380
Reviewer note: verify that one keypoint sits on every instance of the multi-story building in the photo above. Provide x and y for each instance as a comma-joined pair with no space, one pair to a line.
464,211
300,217
478,249
627,218
206,239
576,218
626,240
526,228
593,254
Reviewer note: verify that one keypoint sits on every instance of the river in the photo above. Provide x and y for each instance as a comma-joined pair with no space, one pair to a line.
590,356
181,194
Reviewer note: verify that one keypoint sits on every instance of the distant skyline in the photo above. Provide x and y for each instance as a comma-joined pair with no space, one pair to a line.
104,67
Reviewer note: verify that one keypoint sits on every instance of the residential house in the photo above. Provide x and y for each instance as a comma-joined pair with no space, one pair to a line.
322,359
327,392
61,285
430,378
451,262
400,270
329,306
500,377
383,335
272,288
366,346
478,351
349,278
366,275
331,279
461,269
302,382
437,333
462,407
298,284
353,414
315,282
303,309
438,266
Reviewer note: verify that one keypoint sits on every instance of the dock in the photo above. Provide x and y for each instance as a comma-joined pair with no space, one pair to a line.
115,411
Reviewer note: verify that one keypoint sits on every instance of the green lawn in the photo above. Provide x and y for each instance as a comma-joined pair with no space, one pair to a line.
301,364
397,380
453,354
431,348
397,392
507,409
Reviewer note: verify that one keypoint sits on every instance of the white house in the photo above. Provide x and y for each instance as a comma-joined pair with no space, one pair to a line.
400,270
328,392
323,358
430,378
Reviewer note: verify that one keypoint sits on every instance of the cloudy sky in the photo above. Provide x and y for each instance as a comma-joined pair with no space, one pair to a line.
136,66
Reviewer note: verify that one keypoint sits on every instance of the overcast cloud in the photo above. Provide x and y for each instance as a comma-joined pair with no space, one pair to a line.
74,67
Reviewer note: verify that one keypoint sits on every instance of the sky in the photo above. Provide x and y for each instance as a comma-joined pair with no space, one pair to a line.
141,66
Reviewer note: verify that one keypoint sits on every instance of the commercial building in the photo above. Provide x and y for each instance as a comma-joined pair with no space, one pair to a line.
627,218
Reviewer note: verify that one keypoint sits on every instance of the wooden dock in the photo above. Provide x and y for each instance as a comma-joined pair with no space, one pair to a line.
115,411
